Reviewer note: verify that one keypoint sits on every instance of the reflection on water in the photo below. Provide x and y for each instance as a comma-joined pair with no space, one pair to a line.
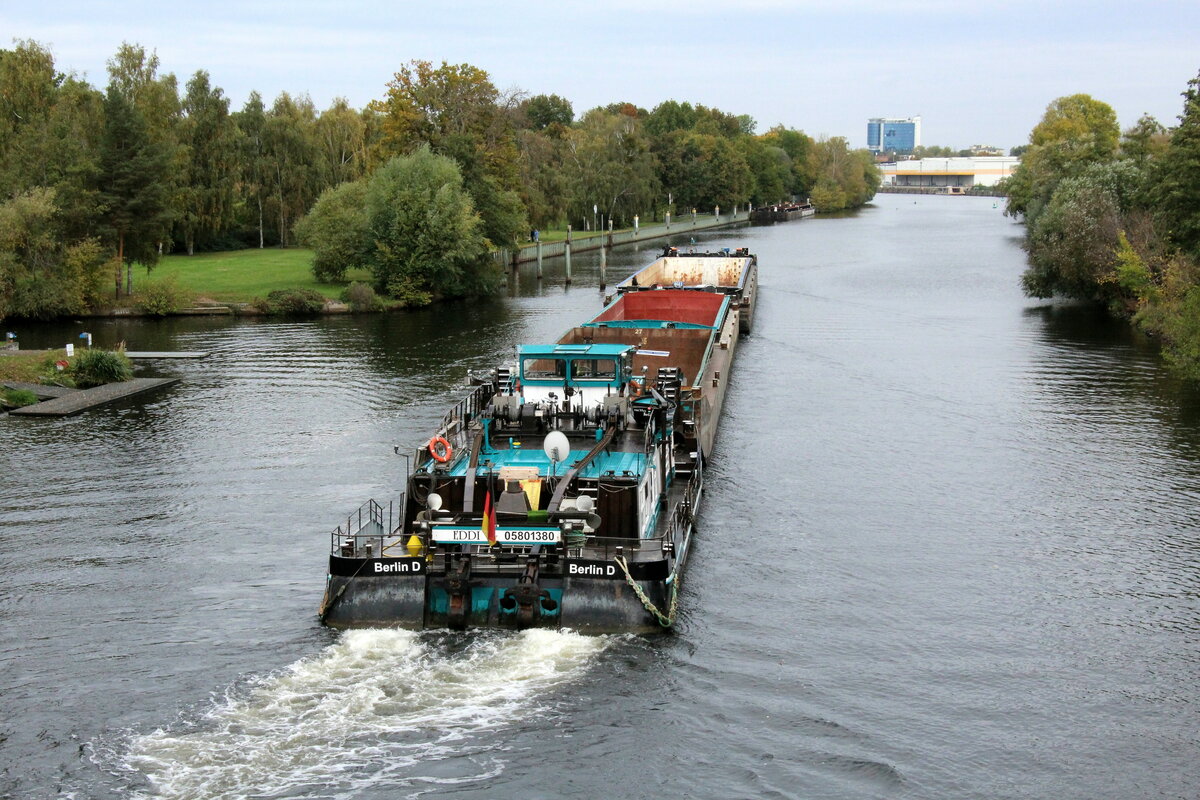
948,549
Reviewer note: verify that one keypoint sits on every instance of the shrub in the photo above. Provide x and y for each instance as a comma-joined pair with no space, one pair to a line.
361,297
427,238
17,398
163,297
293,302
98,367
336,230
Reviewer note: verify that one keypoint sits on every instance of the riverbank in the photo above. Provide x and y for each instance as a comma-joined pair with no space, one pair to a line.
608,239
232,283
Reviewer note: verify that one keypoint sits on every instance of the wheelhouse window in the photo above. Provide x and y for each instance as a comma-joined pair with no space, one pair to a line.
594,369
544,369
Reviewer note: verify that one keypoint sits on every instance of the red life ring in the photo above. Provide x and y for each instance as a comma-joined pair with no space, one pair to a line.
440,449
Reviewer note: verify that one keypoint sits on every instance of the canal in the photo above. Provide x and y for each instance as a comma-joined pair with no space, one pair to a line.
949,548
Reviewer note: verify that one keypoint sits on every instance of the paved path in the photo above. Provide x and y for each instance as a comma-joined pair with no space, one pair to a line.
85,399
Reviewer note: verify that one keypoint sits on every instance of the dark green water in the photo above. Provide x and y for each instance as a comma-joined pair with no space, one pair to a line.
949,549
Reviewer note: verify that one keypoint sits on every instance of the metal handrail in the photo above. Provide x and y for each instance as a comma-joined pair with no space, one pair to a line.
457,421
370,516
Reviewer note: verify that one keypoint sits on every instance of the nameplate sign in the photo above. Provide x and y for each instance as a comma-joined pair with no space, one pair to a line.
448,534
610,570
377,567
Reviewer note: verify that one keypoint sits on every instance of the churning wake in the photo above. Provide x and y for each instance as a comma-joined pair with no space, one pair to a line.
376,707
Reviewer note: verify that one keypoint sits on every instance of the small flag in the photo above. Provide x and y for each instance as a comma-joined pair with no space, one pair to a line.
489,520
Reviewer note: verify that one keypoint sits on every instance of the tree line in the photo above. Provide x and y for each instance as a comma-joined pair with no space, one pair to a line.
93,182
1114,216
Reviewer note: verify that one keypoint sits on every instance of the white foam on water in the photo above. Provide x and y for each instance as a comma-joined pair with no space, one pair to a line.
377,706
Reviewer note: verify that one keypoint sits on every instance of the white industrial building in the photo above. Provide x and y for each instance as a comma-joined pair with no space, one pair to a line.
949,173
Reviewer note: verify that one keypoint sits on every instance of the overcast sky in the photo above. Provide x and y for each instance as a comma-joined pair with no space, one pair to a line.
977,73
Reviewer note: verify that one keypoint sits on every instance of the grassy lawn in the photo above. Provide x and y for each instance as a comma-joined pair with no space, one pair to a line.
242,275
24,366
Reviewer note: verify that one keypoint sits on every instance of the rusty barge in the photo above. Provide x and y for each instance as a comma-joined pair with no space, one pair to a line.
562,490
782,212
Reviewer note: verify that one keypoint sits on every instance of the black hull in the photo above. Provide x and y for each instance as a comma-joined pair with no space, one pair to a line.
583,604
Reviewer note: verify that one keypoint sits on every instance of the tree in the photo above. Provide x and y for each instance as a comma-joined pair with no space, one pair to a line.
669,116
545,185
703,170
252,156
27,88
609,165
544,110
797,145
456,111
1074,132
845,178
1074,242
291,160
771,168
1146,140
342,140
210,149
1177,177
50,127
134,74
133,189
1083,123
427,240
336,230
41,276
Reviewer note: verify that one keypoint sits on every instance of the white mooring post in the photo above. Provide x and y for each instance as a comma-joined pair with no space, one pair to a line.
603,266
567,255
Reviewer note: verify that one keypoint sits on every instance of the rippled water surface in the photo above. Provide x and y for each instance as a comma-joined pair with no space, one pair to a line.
949,549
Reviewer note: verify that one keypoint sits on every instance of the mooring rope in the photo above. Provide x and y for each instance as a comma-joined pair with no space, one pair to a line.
669,619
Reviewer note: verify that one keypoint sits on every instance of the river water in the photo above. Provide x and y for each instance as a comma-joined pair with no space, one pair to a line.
949,549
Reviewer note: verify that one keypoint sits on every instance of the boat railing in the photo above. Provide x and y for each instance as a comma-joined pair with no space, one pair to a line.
456,423
366,531
682,515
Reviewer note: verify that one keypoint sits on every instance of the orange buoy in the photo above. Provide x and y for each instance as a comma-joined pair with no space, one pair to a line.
440,449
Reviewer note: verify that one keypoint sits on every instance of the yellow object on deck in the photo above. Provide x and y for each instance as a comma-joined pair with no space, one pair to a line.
533,490
414,546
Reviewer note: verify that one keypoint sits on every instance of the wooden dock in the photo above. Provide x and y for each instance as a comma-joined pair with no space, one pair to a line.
82,400
167,354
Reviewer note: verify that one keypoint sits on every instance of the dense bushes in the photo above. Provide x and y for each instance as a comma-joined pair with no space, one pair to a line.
412,224
98,367
292,302
163,297
336,230
1115,218
361,297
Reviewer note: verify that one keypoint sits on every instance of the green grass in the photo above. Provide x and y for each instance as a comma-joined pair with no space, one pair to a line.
239,276
26,366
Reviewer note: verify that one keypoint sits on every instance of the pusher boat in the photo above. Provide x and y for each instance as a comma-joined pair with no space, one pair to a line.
561,492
